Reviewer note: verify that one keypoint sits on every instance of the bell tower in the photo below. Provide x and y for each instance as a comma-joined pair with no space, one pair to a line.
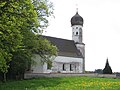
77,24
77,34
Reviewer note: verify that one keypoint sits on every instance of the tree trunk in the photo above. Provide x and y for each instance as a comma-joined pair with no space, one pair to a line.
4,77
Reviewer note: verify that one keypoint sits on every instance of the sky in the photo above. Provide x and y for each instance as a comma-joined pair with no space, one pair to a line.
101,29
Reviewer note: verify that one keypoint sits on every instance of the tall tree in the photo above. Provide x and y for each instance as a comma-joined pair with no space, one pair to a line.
19,19
107,69
10,37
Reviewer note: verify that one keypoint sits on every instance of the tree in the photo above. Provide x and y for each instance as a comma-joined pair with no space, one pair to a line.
19,20
32,42
107,69
22,61
10,37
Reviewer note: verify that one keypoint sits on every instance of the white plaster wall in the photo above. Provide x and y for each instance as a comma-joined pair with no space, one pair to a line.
60,60
45,70
67,59
58,65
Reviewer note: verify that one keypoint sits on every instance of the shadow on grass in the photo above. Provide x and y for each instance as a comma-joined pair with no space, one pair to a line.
32,84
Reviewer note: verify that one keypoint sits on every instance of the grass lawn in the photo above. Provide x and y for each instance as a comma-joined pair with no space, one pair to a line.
64,83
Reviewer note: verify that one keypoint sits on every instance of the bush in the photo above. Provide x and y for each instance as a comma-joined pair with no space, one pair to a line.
99,71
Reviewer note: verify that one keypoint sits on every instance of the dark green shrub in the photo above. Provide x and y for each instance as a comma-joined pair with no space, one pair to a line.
107,69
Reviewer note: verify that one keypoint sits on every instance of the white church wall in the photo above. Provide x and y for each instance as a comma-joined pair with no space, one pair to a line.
60,60
67,59
57,65
45,70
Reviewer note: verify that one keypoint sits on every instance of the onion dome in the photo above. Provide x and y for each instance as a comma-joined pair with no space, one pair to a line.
76,20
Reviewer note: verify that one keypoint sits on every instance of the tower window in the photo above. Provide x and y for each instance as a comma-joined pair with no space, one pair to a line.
76,33
76,27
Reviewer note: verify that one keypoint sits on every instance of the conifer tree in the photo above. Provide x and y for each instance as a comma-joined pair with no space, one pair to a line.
107,69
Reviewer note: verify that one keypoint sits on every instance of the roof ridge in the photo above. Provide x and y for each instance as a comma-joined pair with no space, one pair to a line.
57,38
65,47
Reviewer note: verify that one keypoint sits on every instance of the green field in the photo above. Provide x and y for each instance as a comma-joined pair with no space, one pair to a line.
64,83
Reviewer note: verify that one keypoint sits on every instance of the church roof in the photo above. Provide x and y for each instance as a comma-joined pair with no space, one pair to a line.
76,20
65,47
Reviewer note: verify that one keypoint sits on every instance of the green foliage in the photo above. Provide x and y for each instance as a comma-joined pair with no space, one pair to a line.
63,83
20,63
107,69
19,20
45,49
49,64
3,64
44,9
16,17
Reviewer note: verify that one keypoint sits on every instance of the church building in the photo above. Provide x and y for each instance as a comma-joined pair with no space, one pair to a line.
71,53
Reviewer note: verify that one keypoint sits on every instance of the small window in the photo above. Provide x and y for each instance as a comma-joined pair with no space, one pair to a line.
76,33
71,68
76,27
64,67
